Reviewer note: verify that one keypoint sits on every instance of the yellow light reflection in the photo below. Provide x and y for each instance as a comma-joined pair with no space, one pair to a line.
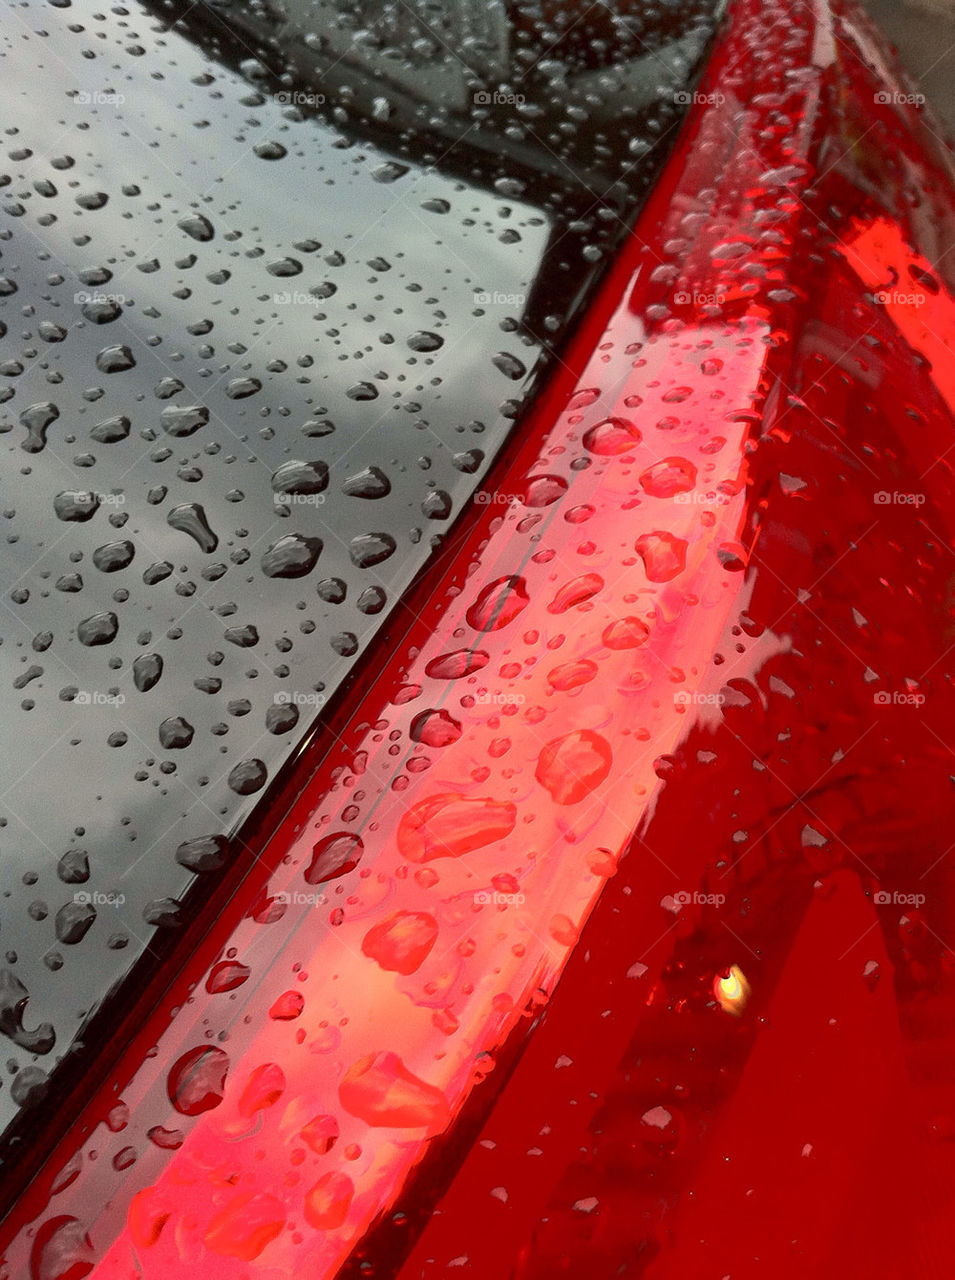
732,991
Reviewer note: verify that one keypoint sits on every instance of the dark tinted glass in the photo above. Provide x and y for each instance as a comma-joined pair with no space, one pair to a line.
277,283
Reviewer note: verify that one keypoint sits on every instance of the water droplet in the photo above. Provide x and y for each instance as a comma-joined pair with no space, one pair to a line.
321,1134
245,1226
204,853
669,477
370,483
61,1251
368,549
334,856
498,604
328,1201
390,171
113,556
402,942
300,478
449,825
197,226
226,976
73,922
625,633
425,341
435,728
115,359
575,592
541,491
612,437
247,777
196,1081
263,1088
456,664
190,518
380,1090
146,671
175,733
570,767
571,675
37,418
76,504
293,556
111,430
509,365
269,150
183,420
663,555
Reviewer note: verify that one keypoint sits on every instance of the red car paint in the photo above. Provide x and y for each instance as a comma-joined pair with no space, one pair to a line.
661,772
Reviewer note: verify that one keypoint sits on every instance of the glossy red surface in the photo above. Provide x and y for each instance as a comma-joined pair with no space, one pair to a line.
616,939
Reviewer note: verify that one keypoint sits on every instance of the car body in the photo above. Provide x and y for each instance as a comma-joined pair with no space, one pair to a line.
599,923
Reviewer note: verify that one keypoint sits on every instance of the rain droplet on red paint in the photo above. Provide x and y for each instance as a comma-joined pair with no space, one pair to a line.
245,1226
454,665
541,491
732,556
663,555
449,825
197,1080
288,1006
334,856
611,437
570,767
146,1218
380,1090
435,728
625,633
498,604
571,675
576,592
61,1251
321,1134
226,976
581,399
262,1089
401,943
669,477
328,1202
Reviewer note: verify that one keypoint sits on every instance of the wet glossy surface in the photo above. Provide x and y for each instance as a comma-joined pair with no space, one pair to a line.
676,736
261,338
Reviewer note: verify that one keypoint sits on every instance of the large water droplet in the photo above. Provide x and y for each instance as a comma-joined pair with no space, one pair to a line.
190,518
611,437
498,604
669,477
575,592
146,671
401,943
197,226
183,420
435,728
570,767
61,1251
245,1226
663,555
380,1090
334,856
449,825
226,976
458,663
328,1201
293,556
196,1081
101,628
